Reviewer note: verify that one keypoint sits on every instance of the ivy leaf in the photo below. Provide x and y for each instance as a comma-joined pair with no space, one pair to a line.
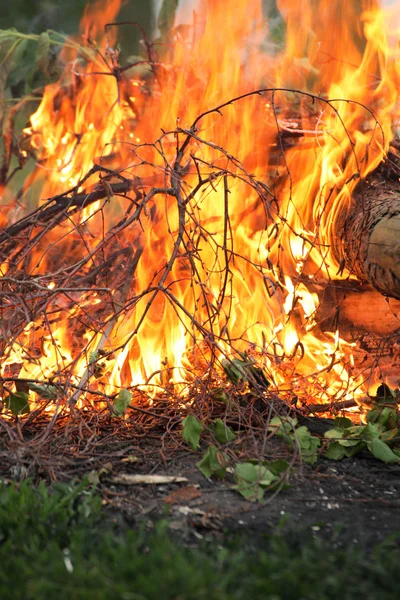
213,462
349,443
334,434
18,403
383,416
223,433
354,449
191,431
286,423
342,423
254,474
371,431
278,466
382,451
220,395
252,480
389,435
121,402
308,444
335,451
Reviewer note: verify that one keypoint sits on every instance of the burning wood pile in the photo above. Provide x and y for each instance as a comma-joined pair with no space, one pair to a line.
184,216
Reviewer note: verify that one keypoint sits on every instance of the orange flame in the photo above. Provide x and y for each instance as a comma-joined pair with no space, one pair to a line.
247,255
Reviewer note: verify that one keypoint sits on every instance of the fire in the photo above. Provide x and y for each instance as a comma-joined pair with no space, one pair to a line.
236,233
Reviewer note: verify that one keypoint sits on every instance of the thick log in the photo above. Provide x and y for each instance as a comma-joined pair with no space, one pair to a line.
370,238
358,309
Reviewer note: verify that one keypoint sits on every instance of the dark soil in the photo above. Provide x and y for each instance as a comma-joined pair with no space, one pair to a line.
356,499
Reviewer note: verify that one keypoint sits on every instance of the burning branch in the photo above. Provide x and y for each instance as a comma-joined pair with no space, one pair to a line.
162,260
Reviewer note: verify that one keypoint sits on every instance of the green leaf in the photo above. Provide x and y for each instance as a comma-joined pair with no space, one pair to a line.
213,462
371,431
93,357
283,424
18,403
257,377
44,390
250,491
235,369
335,451
382,451
334,434
252,480
389,435
222,432
303,437
191,431
349,443
42,57
310,456
342,423
277,467
254,474
354,449
383,416
355,431
121,402
219,394
308,444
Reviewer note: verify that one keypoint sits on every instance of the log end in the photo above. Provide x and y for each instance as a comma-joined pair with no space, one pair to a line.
382,264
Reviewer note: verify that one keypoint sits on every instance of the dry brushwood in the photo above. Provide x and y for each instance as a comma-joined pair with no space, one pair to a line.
108,267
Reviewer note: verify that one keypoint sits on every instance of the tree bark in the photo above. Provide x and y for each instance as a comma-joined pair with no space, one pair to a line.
370,235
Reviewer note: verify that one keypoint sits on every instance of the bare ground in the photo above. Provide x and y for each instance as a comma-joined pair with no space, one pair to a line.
356,499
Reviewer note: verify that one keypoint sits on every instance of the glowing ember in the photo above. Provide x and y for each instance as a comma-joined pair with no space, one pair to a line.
223,229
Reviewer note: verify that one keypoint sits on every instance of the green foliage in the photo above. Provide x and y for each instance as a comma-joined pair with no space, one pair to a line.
18,403
36,15
121,402
244,370
382,451
235,369
57,543
213,463
222,432
380,430
29,60
296,437
44,390
191,431
254,479
42,57
49,514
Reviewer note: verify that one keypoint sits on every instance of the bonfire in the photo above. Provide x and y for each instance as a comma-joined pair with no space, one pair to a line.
203,227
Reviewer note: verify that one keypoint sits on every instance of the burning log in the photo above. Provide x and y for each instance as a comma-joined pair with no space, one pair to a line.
206,243
371,235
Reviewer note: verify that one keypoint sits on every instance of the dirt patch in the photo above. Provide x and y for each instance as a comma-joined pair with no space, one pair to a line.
356,499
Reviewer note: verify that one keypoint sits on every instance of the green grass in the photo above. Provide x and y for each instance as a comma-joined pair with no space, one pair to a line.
57,544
